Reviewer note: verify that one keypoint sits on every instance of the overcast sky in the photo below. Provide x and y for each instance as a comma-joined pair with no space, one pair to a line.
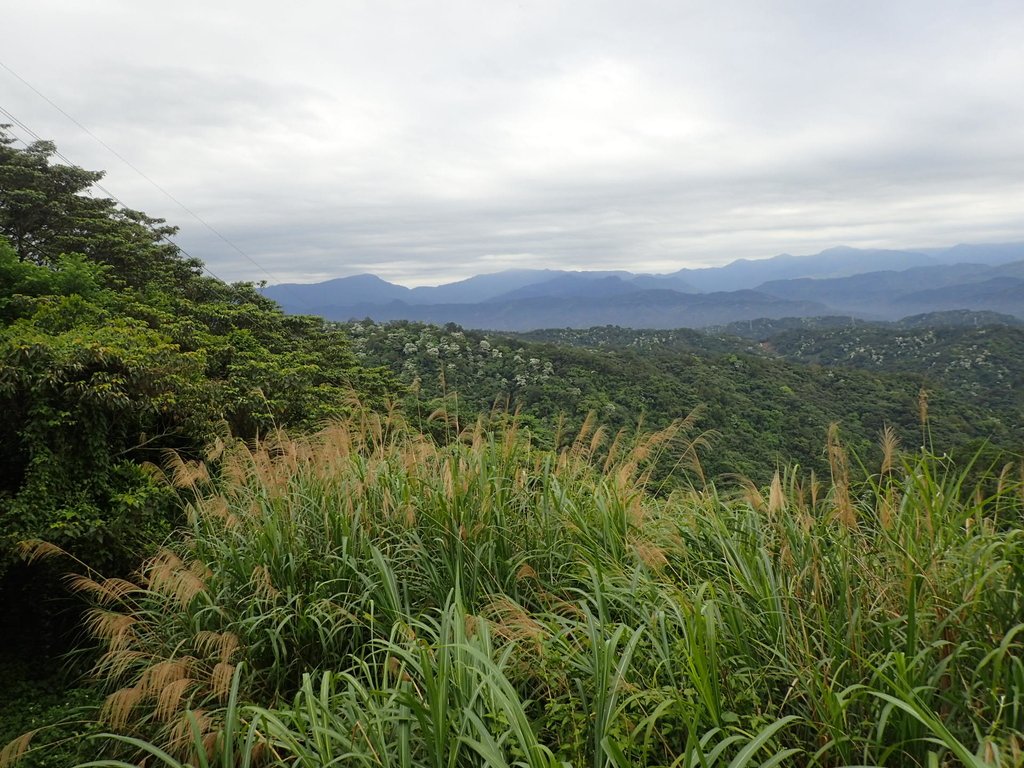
428,141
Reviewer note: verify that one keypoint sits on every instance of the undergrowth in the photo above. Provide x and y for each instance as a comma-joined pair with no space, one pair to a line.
369,597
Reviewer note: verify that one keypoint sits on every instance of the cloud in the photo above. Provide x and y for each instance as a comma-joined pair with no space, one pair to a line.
428,142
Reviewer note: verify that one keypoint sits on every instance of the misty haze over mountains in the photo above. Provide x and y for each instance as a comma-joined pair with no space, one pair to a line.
868,284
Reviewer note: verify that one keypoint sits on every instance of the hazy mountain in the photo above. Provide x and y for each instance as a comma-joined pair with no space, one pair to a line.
638,309
303,298
573,285
665,282
997,294
891,295
370,289
839,281
984,253
834,262
482,287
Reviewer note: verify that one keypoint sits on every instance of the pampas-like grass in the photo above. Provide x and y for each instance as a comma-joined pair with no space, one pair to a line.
369,596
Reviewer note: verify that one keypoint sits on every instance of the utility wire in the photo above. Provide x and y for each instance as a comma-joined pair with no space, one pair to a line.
127,162
15,121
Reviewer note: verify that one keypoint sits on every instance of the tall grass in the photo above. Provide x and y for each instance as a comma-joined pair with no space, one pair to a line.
368,597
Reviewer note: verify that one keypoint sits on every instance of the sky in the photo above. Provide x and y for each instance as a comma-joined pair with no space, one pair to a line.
429,141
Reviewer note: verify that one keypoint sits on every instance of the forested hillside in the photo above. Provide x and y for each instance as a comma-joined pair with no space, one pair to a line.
763,409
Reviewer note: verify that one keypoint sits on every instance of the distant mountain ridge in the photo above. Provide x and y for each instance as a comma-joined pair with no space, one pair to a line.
868,284
841,261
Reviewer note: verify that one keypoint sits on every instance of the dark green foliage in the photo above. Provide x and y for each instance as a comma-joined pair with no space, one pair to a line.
766,411
42,695
115,347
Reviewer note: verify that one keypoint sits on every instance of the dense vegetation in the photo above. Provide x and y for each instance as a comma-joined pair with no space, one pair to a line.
368,597
114,348
765,409
413,574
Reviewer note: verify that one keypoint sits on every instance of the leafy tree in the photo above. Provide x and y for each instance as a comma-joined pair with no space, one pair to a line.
114,347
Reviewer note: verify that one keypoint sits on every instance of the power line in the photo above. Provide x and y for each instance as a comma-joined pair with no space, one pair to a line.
14,120
127,162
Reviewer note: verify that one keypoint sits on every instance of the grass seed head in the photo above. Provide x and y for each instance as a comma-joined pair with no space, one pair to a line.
15,749
119,706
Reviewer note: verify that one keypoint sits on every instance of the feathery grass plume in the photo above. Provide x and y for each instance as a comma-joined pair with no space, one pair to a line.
220,680
750,493
688,447
890,444
187,726
776,496
16,749
840,468
887,495
262,584
112,627
215,448
34,550
119,706
815,489
526,571
650,554
185,474
615,449
219,645
169,698
236,465
119,660
922,417
577,453
86,584
886,509
1005,478
167,574
158,676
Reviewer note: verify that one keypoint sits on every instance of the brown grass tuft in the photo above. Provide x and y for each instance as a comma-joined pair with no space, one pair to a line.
167,575
220,645
118,707
104,592
512,621
262,584
33,550
116,663
220,679
886,510
650,554
16,748
160,675
186,474
776,496
180,738
890,443
839,465
525,571
168,701
113,628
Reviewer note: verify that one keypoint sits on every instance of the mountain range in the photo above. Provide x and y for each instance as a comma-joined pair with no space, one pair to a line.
868,284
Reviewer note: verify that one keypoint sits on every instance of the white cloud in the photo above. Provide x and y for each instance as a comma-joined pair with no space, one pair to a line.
432,141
